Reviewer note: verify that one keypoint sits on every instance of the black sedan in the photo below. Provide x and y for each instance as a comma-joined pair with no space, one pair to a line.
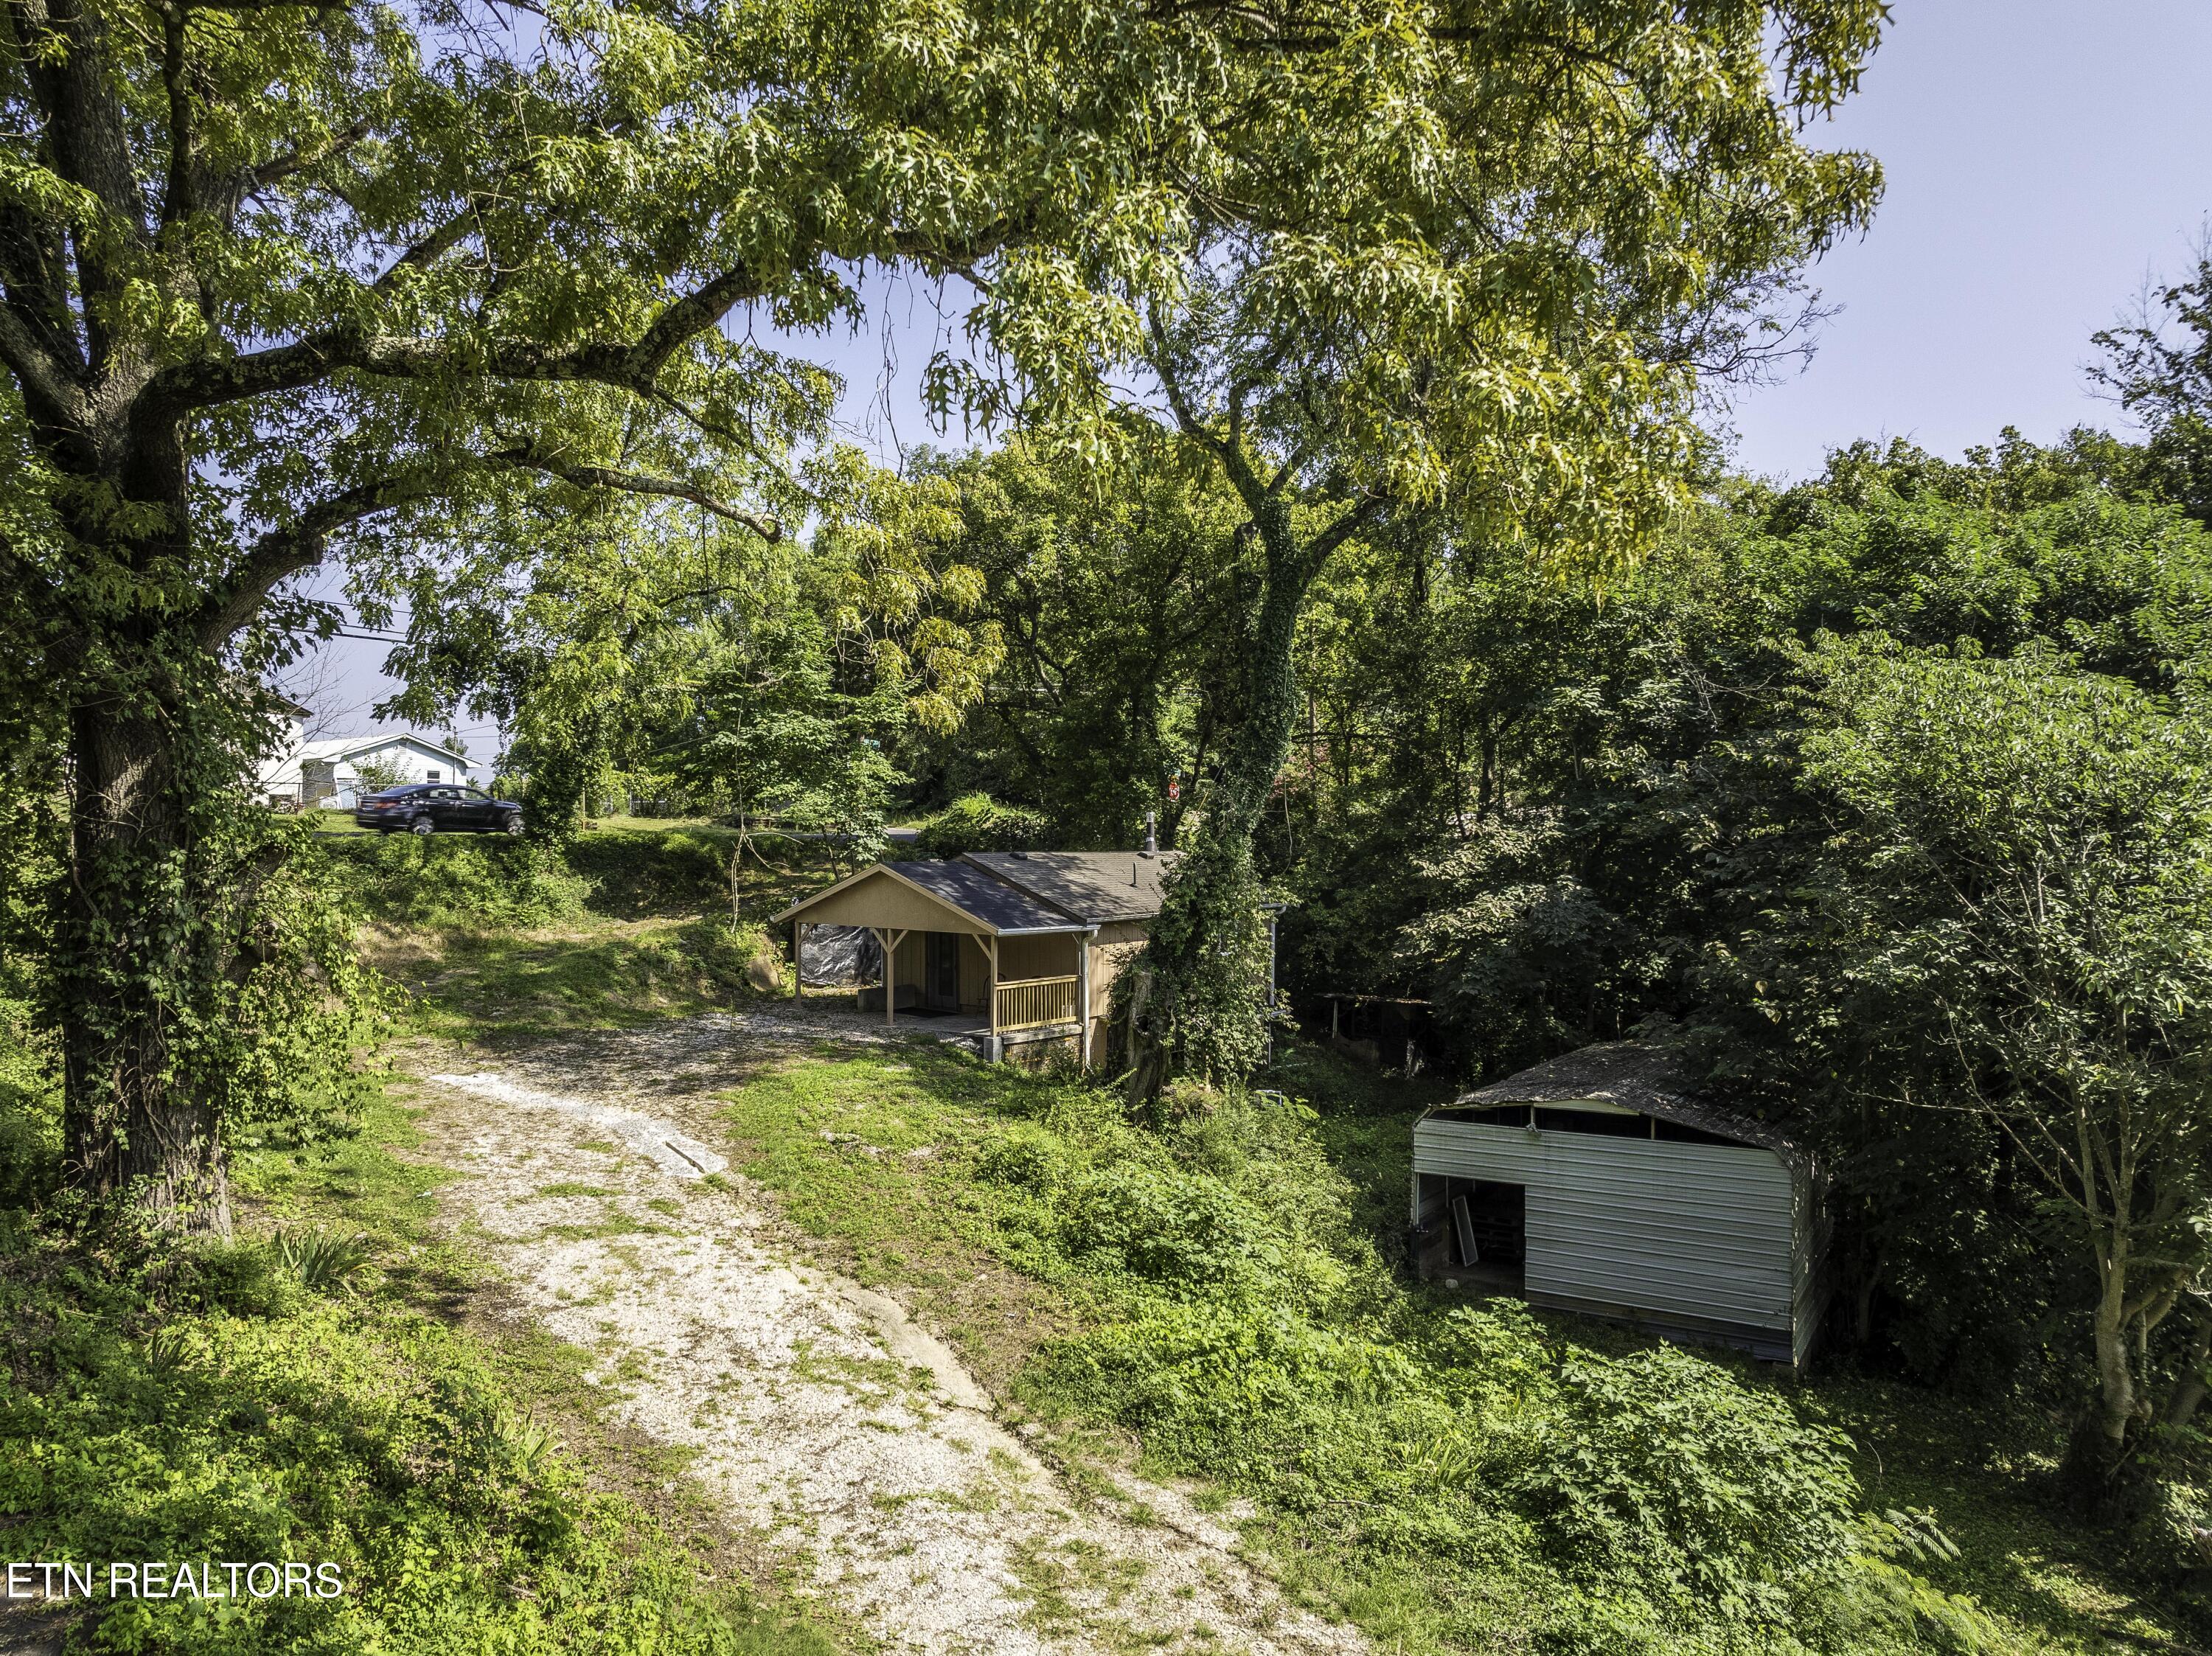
438,808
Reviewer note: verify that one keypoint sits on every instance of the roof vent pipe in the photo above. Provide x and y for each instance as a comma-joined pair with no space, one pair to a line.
1152,834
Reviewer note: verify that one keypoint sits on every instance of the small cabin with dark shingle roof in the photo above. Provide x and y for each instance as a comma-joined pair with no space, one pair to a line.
1602,1182
1025,945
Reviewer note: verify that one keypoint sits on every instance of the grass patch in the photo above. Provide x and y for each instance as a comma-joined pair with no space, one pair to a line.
501,987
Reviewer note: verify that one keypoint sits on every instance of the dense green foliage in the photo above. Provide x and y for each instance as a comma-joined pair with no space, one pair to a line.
1883,788
975,822
469,880
451,303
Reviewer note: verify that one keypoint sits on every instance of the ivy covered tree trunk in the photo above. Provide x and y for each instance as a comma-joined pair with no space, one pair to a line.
131,949
1202,1010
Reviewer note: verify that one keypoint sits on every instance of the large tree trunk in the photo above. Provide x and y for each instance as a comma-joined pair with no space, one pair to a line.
130,957
1199,1013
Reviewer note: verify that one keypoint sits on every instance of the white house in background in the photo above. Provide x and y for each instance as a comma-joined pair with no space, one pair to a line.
330,769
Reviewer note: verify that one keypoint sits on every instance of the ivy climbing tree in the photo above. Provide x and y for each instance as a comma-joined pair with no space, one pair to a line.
1503,247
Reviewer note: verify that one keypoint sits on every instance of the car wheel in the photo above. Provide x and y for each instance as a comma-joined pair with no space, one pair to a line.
513,823
421,825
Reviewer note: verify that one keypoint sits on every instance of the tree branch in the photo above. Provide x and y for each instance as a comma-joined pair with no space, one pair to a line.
49,389
276,169
299,545
432,248
526,458
180,193
632,367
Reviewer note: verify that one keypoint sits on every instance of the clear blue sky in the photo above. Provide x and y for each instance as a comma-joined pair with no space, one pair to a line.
2044,156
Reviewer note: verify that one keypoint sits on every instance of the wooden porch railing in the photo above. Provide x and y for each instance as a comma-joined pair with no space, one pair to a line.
1027,1003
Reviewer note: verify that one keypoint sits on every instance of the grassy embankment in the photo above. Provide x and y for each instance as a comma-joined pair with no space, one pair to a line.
337,1385
1220,1300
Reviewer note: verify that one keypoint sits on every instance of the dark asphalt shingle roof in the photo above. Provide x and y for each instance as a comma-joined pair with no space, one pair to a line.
1096,887
973,891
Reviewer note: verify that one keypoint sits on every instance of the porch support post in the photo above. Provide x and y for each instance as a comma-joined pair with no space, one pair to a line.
991,950
891,940
797,956
885,945
1083,991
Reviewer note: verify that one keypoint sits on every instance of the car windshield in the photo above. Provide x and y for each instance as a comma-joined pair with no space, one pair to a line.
392,793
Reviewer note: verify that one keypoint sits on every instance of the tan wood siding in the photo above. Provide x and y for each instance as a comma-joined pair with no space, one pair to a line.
910,959
975,976
1111,952
878,899
1053,956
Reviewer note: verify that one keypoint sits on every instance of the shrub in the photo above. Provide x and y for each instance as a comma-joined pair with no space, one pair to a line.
244,1278
324,1263
1662,1471
1179,1231
1022,1161
975,822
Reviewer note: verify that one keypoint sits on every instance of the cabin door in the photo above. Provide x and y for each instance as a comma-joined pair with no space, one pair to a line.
942,969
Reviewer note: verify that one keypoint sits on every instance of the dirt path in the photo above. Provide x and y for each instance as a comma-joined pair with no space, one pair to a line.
820,1418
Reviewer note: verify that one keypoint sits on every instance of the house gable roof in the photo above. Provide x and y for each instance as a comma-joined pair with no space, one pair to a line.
1096,887
991,905
974,891
345,747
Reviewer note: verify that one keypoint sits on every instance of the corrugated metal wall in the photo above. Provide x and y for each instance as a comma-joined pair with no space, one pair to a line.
1702,1231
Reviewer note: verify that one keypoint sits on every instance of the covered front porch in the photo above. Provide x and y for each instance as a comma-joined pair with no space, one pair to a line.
1006,985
